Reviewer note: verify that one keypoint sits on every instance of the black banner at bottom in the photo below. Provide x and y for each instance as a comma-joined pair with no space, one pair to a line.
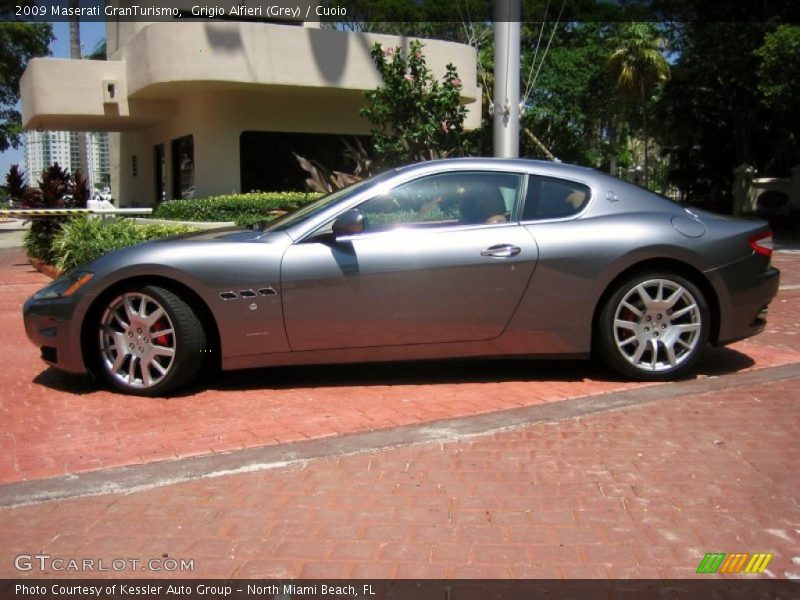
381,589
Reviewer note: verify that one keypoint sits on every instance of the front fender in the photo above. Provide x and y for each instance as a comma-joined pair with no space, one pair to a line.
246,324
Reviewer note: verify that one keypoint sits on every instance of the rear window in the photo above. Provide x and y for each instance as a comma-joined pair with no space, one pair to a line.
552,198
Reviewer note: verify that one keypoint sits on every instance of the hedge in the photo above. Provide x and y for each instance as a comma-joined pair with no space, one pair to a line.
243,209
82,239
67,243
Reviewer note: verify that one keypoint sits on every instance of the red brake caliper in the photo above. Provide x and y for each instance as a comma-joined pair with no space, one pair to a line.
161,340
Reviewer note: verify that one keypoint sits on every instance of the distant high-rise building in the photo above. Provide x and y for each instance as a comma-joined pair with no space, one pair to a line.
44,148
99,159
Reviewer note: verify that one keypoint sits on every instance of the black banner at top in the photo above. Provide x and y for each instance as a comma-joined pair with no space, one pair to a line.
351,14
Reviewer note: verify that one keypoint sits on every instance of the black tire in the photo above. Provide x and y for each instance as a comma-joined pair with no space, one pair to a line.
144,358
661,342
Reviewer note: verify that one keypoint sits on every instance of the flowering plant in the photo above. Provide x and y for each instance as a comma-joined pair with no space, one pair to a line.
414,116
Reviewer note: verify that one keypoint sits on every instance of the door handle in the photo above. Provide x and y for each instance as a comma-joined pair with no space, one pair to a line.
501,251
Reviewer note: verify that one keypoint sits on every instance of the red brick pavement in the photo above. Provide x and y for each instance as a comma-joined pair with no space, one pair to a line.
56,424
642,492
783,324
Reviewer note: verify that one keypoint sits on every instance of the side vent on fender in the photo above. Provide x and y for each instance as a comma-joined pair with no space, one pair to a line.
228,295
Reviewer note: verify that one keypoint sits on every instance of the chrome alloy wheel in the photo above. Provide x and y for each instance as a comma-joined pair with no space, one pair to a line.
137,340
657,325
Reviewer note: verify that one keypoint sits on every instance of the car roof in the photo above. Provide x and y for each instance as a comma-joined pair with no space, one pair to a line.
517,164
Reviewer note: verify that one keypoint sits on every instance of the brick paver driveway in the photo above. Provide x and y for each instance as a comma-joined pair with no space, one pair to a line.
549,468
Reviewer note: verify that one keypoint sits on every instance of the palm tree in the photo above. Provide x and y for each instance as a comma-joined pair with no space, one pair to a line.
98,52
74,33
637,66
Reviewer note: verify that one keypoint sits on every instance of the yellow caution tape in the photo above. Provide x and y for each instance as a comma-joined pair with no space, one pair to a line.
44,212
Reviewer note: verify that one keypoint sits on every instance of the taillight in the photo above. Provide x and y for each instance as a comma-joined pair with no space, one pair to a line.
762,243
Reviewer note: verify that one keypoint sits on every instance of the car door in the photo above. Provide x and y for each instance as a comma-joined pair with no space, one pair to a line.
442,258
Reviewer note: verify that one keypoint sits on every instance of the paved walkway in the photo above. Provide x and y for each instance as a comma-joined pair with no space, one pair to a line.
599,478
641,492
12,232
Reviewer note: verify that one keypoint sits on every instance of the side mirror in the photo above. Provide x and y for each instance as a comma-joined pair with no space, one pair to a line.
349,223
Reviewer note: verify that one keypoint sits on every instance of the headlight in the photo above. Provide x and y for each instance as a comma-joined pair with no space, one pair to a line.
64,287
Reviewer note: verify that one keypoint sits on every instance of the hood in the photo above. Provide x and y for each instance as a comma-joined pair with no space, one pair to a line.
223,249
224,234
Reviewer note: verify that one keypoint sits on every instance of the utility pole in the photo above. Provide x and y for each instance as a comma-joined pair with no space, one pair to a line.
76,54
505,109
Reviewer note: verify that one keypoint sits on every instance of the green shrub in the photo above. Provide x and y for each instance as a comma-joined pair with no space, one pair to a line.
39,237
243,209
56,189
82,239
414,116
256,220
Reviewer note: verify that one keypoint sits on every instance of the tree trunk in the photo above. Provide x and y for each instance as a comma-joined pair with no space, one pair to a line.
612,143
74,34
646,149
538,143
643,104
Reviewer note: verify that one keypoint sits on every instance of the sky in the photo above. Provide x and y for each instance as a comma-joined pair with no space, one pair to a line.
91,33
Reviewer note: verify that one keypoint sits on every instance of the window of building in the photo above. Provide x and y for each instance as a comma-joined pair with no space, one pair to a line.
183,167
267,162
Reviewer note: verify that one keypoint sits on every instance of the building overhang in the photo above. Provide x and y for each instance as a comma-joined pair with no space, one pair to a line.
84,95
140,84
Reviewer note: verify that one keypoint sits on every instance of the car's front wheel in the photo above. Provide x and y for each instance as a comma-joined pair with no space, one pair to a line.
653,327
149,341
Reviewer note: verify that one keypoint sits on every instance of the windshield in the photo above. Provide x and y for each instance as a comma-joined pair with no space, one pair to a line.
310,210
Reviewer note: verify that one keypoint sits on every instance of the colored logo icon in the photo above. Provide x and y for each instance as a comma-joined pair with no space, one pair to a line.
743,562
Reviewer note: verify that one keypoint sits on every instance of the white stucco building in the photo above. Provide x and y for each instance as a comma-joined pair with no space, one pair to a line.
209,107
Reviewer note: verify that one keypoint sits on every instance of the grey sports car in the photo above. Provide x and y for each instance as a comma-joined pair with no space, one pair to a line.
451,258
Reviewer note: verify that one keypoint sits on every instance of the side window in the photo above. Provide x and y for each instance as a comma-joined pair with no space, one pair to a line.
551,198
463,198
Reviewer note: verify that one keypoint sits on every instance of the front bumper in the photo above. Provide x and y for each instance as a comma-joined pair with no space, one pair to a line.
51,325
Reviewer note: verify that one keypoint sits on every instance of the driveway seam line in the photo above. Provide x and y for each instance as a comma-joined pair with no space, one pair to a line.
133,478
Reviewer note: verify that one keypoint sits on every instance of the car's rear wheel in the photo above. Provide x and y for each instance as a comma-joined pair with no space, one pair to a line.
653,327
149,341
